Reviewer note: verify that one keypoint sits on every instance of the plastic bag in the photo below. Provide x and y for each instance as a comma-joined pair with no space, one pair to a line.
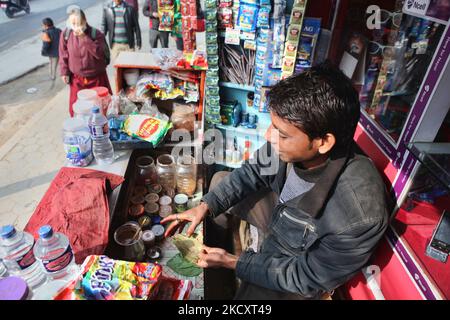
107,279
174,289
166,58
152,110
126,106
146,128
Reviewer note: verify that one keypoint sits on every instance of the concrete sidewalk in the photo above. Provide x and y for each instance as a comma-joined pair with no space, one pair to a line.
30,160
33,156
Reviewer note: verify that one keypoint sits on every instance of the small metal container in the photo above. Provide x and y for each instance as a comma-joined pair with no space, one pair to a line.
165,211
165,201
145,222
152,197
154,254
156,219
149,238
136,210
151,208
137,199
140,191
155,188
158,231
181,202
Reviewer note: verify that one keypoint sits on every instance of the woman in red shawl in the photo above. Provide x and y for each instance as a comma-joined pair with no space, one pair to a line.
82,56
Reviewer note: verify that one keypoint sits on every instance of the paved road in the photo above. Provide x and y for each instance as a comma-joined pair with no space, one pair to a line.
23,26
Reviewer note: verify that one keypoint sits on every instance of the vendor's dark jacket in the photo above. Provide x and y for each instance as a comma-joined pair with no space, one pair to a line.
82,56
150,7
131,24
304,253
51,49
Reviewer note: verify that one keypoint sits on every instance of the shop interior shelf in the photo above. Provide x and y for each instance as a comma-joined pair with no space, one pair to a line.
245,131
237,86
435,157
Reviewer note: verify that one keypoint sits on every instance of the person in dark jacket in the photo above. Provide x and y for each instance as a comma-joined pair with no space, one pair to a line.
150,10
83,57
321,207
50,44
120,23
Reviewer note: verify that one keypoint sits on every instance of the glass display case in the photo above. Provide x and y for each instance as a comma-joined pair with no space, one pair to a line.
397,54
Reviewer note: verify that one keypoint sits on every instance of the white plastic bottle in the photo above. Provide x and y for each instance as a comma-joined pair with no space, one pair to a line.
101,144
54,252
16,251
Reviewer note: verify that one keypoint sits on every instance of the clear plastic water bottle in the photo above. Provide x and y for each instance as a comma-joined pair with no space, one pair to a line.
54,252
101,144
3,270
16,251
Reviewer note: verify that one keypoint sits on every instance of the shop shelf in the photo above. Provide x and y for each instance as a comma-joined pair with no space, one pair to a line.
251,132
237,86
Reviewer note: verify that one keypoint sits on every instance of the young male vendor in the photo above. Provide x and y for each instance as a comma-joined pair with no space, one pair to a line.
329,210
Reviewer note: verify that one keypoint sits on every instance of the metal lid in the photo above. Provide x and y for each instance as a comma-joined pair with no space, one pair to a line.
152,197
181,199
155,188
148,236
158,230
154,253
137,199
136,210
165,211
144,221
140,191
165,200
151,208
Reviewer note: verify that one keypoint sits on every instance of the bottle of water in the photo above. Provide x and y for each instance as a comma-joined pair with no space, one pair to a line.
16,251
3,270
54,252
101,144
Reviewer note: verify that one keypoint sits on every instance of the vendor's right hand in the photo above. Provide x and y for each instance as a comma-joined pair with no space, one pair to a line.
195,216
65,79
155,15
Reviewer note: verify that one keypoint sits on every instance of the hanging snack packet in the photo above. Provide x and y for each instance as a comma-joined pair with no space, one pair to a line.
165,19
293,34
146,128
296,15
225,3
225,18
107,279
248,15
263,17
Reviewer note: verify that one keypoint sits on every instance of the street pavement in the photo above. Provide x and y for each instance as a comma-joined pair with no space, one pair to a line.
31,158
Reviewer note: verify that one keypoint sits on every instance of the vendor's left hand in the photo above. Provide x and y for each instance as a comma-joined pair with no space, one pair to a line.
216,258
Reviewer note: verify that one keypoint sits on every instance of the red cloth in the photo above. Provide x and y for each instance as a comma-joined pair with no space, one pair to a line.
79,83
76,204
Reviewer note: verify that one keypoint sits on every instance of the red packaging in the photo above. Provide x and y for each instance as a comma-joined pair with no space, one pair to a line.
174,289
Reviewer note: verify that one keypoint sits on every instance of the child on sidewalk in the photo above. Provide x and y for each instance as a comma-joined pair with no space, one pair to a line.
50,44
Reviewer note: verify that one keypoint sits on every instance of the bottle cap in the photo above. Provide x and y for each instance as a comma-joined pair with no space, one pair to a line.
45,232
8,231
95,110
13,288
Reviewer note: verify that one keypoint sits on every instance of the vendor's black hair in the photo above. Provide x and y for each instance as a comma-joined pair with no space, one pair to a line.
47,22
318,101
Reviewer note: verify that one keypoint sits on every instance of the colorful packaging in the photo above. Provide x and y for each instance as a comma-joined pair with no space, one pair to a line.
248,16
165,19
225,18
263,17
293,34
107,279
174,289
225,3
290,49
146,128
296,15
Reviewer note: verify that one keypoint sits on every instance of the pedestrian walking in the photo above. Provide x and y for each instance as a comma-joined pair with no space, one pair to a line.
50,44
84,56
120,23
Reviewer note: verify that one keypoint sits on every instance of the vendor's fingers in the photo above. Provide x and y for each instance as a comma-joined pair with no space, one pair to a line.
171,228
181,226
206,248
202,264
175,217
191,229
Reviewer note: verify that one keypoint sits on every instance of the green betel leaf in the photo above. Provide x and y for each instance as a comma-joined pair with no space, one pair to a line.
183,267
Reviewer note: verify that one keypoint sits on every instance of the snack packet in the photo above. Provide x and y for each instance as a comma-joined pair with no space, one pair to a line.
146,128
174,289
107,279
